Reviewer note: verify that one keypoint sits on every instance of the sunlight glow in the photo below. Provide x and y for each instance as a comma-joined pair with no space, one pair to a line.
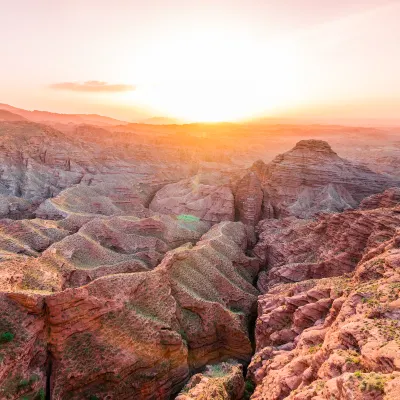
217,78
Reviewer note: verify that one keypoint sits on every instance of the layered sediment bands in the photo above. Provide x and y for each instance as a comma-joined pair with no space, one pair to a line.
312,178
38,162
249,199
96,196
118,245
333,338
202,196
389,198
111,338
21,244
107,245
23,346
28,237
295,250
220,381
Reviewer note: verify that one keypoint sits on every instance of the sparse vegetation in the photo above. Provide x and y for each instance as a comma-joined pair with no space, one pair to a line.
374,382
6,337
248,389
353,358
215,371
183,334
314,348
358,374
41,395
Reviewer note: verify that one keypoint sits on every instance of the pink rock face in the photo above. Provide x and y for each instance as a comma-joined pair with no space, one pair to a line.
249,199
295,250
38,162
111,338
332,337
199,196
389,198
312,178
23,346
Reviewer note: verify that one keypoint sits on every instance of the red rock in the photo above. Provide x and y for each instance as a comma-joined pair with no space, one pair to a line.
111,338
311,178
249,199
200,196
389,198
345,343
295,250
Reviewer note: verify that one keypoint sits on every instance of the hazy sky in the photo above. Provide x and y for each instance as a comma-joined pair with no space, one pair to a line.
205,60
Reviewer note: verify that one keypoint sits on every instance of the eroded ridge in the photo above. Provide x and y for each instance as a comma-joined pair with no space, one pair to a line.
111,337
332,338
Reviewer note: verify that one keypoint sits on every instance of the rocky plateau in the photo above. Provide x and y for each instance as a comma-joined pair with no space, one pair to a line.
160,262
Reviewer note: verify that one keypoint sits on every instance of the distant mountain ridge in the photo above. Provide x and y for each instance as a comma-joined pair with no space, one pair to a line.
9,116
46,116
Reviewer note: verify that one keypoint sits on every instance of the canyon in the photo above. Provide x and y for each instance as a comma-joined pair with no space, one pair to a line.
201,261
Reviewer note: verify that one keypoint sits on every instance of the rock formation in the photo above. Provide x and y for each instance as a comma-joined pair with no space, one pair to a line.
389,198
118,245
200,196
333,338
312,178
111,338
118,279
38,162
249,199
293,249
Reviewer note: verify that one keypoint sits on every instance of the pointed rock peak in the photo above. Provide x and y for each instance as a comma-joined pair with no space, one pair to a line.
258,164
258,167
314,145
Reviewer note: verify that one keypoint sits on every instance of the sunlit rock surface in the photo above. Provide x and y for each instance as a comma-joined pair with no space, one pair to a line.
311,178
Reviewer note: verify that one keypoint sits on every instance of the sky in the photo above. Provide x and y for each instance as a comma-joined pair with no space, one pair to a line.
207,60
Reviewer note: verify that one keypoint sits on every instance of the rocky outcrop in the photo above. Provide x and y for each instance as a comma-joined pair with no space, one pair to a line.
119,289
23,346
202,196
333,337
15,208
108,245
389,198
249,199
38,162
220,381
81,203
294,250
28,237
118,245
311,178
111,338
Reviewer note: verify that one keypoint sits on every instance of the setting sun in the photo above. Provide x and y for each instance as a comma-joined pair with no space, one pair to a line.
219,76
205,62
